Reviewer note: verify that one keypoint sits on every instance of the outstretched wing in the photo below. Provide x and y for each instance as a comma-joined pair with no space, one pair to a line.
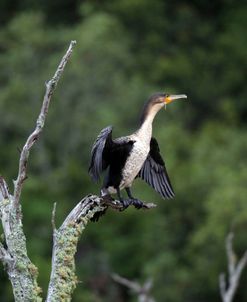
154,172
99,158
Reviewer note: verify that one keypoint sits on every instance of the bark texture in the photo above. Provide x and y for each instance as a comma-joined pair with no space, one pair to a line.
21,271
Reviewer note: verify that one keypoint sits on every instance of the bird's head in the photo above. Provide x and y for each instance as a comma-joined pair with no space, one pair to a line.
162,99
157,101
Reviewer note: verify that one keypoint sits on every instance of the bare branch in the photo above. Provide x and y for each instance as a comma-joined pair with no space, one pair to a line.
143,292
50,87
222,284
4,191
53,223
126,282
241,264
235,270
148,285
231,257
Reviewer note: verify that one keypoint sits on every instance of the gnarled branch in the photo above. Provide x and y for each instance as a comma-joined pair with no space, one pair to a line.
63,279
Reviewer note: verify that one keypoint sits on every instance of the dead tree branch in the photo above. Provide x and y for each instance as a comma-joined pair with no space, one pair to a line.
4,191
21,271
50,88
235,270
142,291
63,279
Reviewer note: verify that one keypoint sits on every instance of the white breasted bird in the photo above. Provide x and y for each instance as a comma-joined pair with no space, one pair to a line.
135,155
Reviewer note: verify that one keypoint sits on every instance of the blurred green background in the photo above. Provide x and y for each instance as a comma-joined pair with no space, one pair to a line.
127,50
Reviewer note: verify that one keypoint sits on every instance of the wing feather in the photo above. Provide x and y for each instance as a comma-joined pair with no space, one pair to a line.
99,153
154,172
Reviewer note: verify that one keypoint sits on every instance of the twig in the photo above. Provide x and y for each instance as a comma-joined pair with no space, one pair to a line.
136,287
234,271
4,188
5,256
142,291
53,223
50,87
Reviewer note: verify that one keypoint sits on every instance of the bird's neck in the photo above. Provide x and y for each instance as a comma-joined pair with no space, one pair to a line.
145,130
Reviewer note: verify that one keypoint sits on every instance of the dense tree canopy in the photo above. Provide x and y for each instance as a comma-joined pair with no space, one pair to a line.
126,50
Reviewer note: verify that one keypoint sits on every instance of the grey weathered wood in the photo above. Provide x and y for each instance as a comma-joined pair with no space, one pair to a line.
63,279
21,271
235,270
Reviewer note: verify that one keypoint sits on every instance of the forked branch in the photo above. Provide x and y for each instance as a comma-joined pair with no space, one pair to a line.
235,269
142,291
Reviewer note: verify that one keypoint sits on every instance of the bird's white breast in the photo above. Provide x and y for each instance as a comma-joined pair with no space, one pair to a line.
134,163
137,157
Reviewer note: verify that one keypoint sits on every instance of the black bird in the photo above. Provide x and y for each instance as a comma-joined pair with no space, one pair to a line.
135,155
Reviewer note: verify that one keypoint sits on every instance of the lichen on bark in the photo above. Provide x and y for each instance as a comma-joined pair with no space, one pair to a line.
63,279
22,272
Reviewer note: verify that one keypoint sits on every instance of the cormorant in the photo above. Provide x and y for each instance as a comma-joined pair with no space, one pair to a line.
135,155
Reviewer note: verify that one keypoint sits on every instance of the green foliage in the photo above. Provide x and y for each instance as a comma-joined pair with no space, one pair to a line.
125,51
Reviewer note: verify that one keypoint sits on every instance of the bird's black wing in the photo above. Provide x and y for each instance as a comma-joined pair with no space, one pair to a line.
100,153
154,172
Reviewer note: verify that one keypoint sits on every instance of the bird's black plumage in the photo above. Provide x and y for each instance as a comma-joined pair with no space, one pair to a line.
110,155
99,162
154,172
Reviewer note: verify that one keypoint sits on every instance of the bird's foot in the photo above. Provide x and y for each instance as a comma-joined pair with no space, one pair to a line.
138,204
125,203
107,198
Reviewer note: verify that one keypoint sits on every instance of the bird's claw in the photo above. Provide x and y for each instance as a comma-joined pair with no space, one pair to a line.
107,198
125,203
138,204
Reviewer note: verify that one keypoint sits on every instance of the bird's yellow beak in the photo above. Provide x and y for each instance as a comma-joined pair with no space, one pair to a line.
170,98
